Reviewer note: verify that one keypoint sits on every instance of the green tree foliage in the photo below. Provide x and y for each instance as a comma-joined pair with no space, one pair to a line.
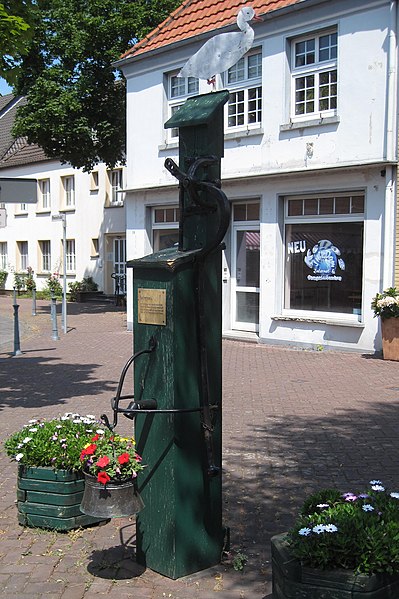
15,34
76,98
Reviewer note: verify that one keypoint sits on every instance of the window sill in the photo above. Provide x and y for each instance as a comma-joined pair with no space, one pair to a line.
69,209
316,122
329,321
236,134
245,132
43,211
116,205
21,214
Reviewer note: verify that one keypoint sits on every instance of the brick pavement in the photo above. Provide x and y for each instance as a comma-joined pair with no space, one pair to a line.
293,421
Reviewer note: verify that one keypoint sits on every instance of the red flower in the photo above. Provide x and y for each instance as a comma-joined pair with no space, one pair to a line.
95,438
138,458
102,477
123,458
103,462
89,450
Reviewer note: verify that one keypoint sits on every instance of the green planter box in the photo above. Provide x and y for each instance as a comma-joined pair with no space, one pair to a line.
291,580
51,499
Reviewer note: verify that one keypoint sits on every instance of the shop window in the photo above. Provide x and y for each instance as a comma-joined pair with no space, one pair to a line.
324,254
314,75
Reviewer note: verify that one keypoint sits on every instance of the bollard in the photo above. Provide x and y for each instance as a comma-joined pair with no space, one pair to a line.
34,302
17,346
54,335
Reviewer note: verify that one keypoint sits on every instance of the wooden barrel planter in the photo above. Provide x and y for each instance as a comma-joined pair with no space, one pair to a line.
51,499
291,580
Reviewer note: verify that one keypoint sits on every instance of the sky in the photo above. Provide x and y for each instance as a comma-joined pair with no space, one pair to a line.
4,88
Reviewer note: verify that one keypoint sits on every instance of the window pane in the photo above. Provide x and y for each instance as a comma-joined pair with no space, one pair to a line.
357,205
247,308
177,86
328,90
237,72
253,211
305,53
342,205
192,85
170,215
324,267
328,47
326,206
295,207
159,215
310,206
236,109
255,105
254,65
304,95
240,212
247,259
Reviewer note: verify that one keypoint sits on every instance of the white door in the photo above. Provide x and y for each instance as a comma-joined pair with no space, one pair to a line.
120,265
245,279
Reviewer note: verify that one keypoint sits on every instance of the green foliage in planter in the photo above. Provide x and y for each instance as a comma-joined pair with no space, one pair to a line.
3,277
55,443
53,285
386,304
354,531
29,280
86,284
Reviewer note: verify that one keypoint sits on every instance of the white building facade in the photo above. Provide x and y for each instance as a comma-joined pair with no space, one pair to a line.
33,234
310,168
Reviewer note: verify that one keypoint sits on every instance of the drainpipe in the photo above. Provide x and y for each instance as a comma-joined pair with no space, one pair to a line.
389,228
391,137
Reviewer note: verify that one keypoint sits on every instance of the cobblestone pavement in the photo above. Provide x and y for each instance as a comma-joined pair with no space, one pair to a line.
294,421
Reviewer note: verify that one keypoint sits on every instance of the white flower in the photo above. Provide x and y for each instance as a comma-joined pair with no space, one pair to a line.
367,507
19,456
378,488
64,418
319,528
90,416
330,528
304,532
394,495
58,426
33,421
322,505
375,482
32,430
77,421
27,439
100,431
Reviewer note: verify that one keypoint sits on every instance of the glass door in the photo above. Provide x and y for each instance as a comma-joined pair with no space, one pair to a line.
119,272
245,280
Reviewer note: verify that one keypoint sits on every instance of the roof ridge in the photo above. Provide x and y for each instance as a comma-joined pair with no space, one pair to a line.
147,38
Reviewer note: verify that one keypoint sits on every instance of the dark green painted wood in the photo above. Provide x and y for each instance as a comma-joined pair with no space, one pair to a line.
52,500
291,580
180,529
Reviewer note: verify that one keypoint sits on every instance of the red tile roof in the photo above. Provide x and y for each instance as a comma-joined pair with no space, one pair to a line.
195,17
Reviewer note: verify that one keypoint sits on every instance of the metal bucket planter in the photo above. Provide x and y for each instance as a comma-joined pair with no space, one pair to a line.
291,580
113,500
51,499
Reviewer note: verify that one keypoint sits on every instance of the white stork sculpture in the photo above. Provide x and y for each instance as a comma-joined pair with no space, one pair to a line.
222,51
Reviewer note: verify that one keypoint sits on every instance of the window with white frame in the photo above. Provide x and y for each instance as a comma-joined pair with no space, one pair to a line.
165,227
324,253
22,255
3,255
116,185
45,255
314,74
70,255
244,81
44,194
68,186
179,89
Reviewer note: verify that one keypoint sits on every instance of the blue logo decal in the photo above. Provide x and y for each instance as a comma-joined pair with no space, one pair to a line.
324,260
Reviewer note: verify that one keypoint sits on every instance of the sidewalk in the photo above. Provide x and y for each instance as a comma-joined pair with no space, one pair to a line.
294,421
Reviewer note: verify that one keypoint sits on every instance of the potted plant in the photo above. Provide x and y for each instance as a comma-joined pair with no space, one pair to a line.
110,465
386,305
50,479
342,546
81,291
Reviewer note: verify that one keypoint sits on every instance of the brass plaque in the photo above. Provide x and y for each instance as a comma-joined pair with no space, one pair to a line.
151,306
